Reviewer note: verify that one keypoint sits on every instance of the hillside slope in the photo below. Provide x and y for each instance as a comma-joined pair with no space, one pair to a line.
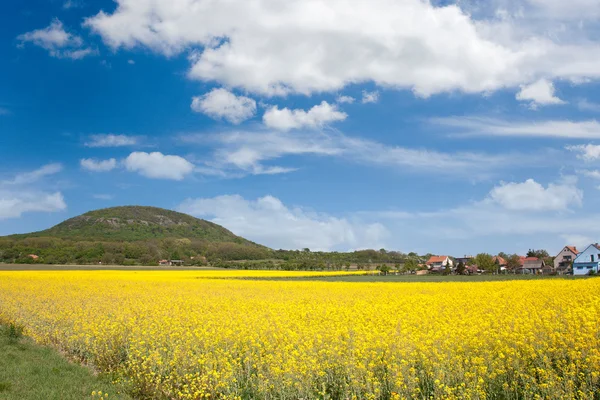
133,223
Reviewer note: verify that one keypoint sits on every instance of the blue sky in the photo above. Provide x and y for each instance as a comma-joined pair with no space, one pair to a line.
444,127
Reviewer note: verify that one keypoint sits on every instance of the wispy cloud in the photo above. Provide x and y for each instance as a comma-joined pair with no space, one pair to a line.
36,175
485,126
112,140
251,152
18,195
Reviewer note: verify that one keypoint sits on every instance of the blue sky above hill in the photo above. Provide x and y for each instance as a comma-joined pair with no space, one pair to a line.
441,126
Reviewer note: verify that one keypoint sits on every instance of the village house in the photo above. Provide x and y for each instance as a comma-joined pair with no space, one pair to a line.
500,262
438,263
532,265
587,261
564,260
170,263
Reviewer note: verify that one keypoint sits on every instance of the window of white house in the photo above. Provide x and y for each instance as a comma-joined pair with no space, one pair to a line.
592,257
580,267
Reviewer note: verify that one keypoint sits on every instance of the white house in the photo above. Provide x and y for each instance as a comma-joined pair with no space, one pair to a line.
588,260
437,263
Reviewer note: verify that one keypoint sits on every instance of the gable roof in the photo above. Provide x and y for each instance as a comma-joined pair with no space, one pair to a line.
572,249
436,259
533,262
499,260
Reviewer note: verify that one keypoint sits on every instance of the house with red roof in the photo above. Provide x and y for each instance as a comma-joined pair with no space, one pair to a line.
564,260
437,263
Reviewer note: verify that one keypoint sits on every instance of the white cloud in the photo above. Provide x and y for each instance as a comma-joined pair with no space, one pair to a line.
594,174
370,97
532,196
4,111
345,99
318,116
68,4
130,62
482,126
249,152
308,47
98,165
34,176
222,104
18,195
110,140
540,93
14,204
587,152
268,221
58,42
158,166
585,105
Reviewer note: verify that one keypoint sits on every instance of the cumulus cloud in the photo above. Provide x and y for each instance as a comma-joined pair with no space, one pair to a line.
532,196
111,140
158,166
318,116
483,126
98,165
222,104
57,41
18,195
586,152
370,97
308,47
268,221
539,93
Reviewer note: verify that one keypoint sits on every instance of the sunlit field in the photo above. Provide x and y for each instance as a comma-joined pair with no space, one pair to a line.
186,335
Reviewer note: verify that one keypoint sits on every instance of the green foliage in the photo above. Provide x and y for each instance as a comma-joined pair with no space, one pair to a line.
31,372
137,235
485,262
541,254
460,268
513,262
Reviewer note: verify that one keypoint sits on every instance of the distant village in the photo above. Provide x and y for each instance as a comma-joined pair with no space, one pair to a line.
568,261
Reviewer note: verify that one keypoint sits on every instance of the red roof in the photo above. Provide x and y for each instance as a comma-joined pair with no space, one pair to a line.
573,249
500,260
436,259
531,259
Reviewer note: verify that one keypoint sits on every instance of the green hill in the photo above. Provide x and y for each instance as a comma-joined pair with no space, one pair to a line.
131,235
133,223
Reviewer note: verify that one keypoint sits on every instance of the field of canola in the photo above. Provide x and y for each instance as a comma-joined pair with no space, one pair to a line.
186,335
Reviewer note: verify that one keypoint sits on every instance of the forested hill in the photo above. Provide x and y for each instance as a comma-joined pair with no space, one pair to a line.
133,223
129,235
136,235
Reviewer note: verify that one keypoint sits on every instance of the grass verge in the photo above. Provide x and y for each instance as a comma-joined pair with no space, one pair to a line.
32,372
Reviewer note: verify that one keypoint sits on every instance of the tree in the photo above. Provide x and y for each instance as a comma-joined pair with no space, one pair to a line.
485,262
460,268
541,254
513,262
384,268
411,265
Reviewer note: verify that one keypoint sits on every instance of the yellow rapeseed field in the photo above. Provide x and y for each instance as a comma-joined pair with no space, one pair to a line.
186,335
